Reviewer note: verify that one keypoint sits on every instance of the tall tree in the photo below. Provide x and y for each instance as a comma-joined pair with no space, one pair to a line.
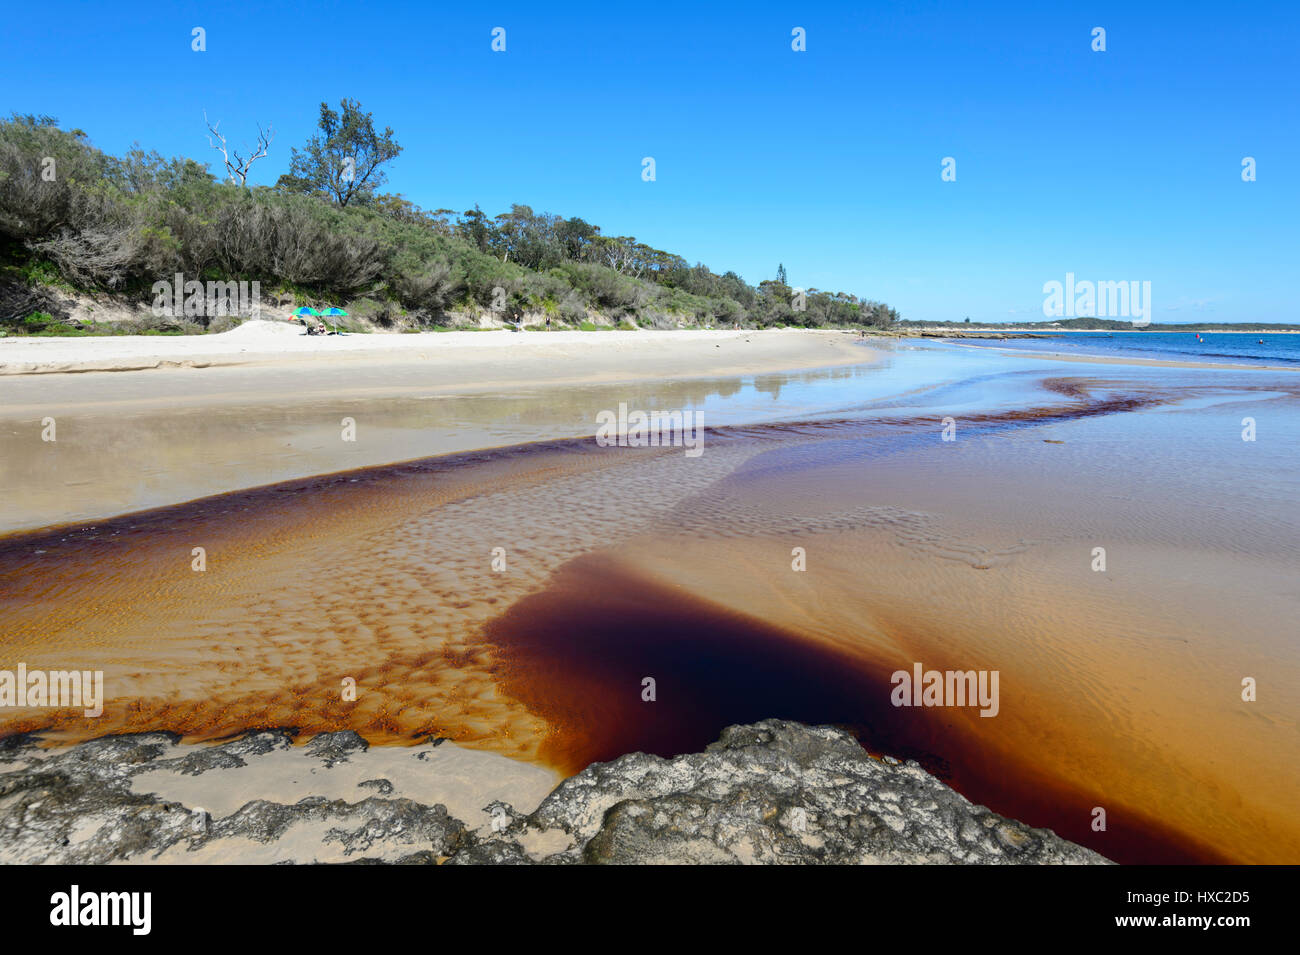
780,274
343,160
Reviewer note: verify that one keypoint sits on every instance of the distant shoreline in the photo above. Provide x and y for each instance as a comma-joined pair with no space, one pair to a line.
1040,332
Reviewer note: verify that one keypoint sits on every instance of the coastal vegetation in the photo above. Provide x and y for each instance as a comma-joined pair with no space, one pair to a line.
75,219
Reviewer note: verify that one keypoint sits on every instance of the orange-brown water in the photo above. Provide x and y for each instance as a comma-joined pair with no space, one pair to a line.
578,654
1119,689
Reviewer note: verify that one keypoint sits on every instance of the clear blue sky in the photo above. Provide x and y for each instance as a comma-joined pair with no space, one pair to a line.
1117,165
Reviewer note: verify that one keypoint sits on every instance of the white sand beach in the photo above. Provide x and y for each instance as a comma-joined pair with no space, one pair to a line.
606,355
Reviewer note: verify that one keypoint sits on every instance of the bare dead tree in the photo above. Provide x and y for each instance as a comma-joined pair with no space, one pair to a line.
238,166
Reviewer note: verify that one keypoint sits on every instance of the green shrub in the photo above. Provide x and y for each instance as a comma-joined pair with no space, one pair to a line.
122,224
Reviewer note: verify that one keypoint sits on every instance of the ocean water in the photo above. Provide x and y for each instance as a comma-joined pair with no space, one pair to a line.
1232,348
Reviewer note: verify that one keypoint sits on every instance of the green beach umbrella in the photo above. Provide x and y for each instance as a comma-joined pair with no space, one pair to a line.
333,312
302,311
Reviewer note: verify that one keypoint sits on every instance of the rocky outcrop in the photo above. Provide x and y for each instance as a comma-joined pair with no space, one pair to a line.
772,792
77,805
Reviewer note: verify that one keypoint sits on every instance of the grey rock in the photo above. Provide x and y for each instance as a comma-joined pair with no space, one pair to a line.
335,747
492,852
777,792
382,786
772,792
76,805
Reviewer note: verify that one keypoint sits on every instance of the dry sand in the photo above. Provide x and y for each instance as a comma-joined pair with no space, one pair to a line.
530,356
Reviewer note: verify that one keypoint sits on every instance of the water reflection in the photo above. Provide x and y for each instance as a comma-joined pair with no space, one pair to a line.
127,444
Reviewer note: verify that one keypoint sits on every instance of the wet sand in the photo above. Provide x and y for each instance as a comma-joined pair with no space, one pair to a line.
1119,689
382,576
1143,361
131,440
